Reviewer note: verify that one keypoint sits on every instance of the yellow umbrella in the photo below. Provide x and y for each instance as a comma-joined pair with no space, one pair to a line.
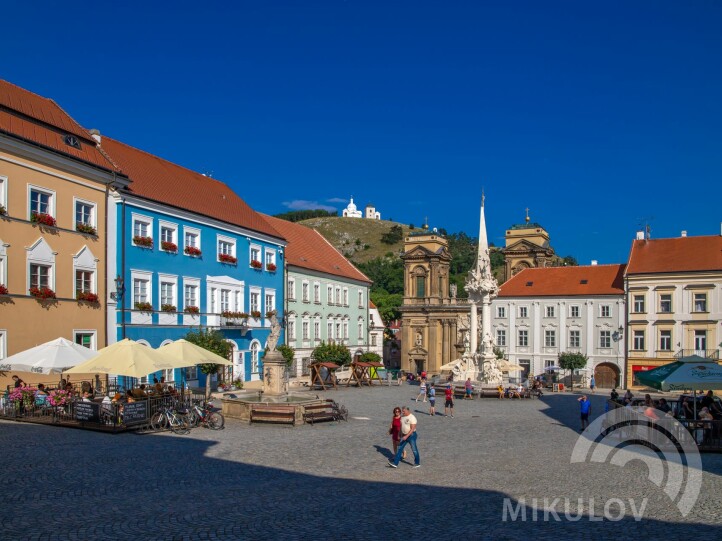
126,358
187,353
506,366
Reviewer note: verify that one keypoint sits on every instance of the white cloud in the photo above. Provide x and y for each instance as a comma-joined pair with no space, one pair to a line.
302,204
336,200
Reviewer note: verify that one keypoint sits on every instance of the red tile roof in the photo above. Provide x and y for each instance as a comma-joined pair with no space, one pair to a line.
308,249
43,122
682,254
159,180
566,282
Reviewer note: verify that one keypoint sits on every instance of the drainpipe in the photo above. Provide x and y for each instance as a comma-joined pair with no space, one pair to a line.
105,258
627,368
122,270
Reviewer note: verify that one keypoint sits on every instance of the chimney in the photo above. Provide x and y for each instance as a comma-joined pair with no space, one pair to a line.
594,262
640,235
684,233
95,134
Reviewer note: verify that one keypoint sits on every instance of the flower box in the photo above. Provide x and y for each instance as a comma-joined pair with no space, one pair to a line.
42,293
192,310
87,296
85,228
192,250
255,314
144,306
167,308
3,289
145,242
169,246
41,218
225,258
256,264
271,267
233,315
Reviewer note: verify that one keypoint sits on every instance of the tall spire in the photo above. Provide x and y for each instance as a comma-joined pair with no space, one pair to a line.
482,260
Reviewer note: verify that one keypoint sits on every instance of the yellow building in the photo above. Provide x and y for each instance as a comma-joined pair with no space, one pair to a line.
674,301
527,246
54,182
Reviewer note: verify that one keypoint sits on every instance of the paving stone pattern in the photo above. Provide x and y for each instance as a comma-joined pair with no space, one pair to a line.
330,480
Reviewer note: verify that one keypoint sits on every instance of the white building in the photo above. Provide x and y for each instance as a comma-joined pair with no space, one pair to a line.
543,312
352,212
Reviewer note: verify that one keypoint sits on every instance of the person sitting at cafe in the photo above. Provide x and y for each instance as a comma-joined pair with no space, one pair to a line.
117,397
687,409
500,390
710,403
614,396
129,396
41,390
140,392
172,391
664,406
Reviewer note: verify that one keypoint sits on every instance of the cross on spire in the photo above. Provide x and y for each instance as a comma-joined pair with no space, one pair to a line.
527,215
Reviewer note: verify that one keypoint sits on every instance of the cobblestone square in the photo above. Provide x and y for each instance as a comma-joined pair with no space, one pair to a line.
330,480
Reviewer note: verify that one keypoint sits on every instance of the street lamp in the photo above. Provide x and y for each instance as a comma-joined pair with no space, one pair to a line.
117,295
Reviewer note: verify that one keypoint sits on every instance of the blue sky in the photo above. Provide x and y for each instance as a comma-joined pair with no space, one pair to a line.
598,116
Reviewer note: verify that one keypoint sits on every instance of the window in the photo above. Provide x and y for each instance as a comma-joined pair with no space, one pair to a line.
329,294
39,276
700,343
501,311
638,340
550,311
142,231
270,298
329,330
639,304
605,339
41,202
255,253
191,241
85,339
665,340
317,330
548,363
255,301
84,213
605,310
337,331
83,281
550,338
345,330
360,299
665,303
338,296
501,337
345,296
523,311
373,340
226,247
700,302
225,300
317,293
523,338
3,202
573,311
304,292
191,373
291,289
360,329
305,329
168,237
167,294
420,286
140,290
291,329
575,339
190,294
255,356
270,260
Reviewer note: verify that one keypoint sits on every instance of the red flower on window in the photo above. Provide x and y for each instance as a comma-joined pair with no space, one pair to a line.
41,218
169,246
270,267
256,264
226,258
192,250
87,296
145,242
3,289
42,293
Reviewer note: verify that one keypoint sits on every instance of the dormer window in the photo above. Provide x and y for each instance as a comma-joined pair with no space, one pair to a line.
72,141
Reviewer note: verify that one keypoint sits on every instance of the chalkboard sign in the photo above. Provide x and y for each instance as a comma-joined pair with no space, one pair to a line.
87,411
135,412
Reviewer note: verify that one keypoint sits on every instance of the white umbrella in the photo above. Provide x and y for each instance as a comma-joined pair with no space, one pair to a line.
49,358
551,368
126,358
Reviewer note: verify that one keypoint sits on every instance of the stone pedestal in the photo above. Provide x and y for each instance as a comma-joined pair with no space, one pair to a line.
274,367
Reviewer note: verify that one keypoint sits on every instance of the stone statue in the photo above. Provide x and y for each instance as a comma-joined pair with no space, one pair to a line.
452,287
419,339
275,332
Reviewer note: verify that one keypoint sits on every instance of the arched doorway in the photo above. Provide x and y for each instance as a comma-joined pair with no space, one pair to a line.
606,375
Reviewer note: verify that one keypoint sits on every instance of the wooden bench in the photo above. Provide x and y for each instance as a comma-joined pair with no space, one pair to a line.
330,411
272,413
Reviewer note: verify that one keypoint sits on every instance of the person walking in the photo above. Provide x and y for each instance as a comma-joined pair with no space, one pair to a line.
432,400
395,431
592,383
468,388
408,436
449,400
422,390
585,408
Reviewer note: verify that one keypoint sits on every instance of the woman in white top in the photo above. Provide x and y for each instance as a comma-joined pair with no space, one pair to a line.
422,390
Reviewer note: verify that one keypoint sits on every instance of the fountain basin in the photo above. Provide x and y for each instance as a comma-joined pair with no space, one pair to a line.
238,405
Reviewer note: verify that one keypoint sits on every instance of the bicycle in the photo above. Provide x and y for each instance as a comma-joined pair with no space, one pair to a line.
168,418
206,417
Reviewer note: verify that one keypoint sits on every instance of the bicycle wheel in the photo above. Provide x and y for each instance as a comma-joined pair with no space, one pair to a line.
192,418
159,421
178,424
216,421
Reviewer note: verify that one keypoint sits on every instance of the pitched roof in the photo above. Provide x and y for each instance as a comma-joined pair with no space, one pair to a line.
566,282
681,254
308,249
41,121
160,180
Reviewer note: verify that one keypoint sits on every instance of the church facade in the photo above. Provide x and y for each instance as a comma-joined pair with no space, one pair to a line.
527,246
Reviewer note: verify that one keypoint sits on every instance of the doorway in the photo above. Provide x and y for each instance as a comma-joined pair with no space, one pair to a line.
606,375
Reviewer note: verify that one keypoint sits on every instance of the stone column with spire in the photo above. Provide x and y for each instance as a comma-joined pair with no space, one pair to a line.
482,288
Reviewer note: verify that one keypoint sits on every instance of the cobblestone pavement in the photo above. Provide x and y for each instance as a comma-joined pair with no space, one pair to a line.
330,480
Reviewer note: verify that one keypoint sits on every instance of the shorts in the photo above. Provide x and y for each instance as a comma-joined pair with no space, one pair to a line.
585,416
432,402
468,392
449,404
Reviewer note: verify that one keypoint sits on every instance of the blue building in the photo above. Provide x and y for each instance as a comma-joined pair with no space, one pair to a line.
190,254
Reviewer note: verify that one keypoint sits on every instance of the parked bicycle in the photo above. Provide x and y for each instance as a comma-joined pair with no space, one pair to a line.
205,417
169,418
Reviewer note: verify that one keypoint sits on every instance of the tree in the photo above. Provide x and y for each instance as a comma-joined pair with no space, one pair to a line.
570,261
288,352
370,357
298,215
213,341
393,235
331,353
572,361
388,304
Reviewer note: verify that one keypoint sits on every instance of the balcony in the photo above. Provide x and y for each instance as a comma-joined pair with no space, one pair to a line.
712,354
236,322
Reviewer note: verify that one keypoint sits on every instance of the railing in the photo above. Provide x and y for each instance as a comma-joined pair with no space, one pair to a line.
234,322
706,353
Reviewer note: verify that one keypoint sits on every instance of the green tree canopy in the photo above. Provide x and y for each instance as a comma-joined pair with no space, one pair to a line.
298,215
288,352
331,353
572,361
371,357
393,235
214,341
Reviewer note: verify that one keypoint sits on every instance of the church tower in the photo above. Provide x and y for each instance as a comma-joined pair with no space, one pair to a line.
527,246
